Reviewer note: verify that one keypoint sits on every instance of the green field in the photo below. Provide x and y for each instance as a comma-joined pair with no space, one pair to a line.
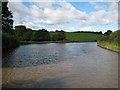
82,37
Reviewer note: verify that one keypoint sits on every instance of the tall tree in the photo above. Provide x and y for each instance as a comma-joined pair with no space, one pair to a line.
9,41
7,22
0,16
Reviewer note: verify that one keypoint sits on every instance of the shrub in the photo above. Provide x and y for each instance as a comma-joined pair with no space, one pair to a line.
8,42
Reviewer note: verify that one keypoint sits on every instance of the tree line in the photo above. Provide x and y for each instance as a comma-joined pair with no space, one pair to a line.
26,34
108,32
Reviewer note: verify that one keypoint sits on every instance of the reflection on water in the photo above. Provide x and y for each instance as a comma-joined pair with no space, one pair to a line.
52,65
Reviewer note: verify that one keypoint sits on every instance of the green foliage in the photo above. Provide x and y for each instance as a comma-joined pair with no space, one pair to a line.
59,35
27,36
7,22
112,42
34,36
20,31
8,42
93,32
24,34
42,35
114,37
108,32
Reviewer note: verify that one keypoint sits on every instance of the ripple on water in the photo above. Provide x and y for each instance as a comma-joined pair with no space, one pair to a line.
82,65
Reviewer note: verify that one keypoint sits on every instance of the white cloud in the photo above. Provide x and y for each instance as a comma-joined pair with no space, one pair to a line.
31,25
113,12
17,18
101,16
71,29
18,7
35,12
14,0
48,15
87,28
45,13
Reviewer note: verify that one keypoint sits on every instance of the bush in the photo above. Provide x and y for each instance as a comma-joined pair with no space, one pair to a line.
8,42
59,36
115,37
112,42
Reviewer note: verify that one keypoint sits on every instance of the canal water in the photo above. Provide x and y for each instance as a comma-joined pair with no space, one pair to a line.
60,65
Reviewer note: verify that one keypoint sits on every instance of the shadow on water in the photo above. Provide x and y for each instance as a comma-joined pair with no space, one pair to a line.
6,53
49,83
32,55
5,63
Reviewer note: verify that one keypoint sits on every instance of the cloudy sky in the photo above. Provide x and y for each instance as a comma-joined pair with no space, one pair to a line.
69,16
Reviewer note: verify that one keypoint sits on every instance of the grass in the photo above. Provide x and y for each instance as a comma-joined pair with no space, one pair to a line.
112,42
82,37
109,45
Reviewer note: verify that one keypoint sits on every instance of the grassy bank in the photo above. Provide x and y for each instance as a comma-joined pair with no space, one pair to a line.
112,42
109,45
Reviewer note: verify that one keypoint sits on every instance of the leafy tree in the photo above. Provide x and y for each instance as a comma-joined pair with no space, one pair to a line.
108,32
27,36
9,41
99,32
59,35
34,36
20,31
7,22
43,35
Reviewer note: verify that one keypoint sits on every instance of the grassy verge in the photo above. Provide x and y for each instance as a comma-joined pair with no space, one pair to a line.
109,45
112,42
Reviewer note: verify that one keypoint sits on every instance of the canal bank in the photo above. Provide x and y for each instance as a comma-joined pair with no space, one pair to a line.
110,46
112,42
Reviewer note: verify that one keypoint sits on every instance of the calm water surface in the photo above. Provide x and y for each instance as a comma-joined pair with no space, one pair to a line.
60,65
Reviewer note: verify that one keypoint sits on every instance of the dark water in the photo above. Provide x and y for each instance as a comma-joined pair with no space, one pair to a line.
39,54
61,65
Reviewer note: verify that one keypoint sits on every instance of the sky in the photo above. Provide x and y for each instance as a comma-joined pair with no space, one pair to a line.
65,15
